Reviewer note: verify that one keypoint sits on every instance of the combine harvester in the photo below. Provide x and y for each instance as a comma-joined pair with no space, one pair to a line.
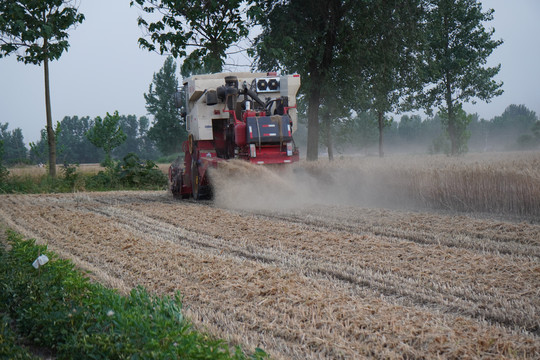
248,116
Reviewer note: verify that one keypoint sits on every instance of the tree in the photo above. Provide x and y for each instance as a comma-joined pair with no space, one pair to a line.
15,150
168,130
456,49
73,143
360,131
147,146
515,120
40,28
210,27
536,130
461,134
410,128
391,48
107,134
307,37
137,141
130,126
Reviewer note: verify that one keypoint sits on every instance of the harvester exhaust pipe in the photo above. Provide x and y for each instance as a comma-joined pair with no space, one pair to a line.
254,95
229,91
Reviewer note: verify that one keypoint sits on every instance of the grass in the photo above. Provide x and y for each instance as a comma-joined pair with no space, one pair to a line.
57,308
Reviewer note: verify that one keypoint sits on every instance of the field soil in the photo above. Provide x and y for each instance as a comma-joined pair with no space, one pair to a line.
333,281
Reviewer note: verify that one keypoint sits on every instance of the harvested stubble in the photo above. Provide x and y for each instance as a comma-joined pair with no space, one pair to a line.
321,282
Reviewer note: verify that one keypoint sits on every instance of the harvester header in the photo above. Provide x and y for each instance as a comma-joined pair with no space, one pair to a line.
248,116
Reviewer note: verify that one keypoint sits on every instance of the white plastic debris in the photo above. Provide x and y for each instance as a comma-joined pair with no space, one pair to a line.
40,261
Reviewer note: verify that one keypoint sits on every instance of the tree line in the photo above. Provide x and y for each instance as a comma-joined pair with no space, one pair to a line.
517,128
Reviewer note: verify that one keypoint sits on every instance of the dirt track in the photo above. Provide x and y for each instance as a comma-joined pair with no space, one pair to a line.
321,282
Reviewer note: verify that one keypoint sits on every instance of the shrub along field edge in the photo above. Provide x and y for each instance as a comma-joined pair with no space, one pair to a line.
131,173
57,308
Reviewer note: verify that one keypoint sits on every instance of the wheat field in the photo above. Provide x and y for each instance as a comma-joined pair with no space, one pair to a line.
324,280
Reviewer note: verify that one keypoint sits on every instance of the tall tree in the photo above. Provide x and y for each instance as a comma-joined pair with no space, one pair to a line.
207,28
306,37
37,32
457,46
168,130
107,134
391,47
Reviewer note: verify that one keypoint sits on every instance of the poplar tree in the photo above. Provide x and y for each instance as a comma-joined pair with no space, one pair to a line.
37,32
457,46
168,130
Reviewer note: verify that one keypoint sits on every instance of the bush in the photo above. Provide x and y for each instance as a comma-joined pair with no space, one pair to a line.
134,172
56,307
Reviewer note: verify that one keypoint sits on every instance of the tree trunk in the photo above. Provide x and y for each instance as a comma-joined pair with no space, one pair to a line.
50,131
451,126
313,122
329,140
318,73
381,127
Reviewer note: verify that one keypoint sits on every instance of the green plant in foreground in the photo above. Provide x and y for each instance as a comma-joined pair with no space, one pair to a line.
8,342
58,308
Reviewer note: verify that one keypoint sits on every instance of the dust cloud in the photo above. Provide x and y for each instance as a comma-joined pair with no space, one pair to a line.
244,186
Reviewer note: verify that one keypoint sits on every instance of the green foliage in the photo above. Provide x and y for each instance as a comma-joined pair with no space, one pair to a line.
9,349
14,148
107,134
360,131
207,27
516,122
316,40
137,139
131,173
457,46
71,178
75,146
37,32
168,130
38,27
39,151
391,51
57,308
459,126
527,142
134,172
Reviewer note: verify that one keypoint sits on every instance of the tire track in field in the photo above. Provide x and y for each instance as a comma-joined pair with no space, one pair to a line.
402,288
455,239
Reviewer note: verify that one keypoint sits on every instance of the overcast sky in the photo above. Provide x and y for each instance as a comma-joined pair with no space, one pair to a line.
105,70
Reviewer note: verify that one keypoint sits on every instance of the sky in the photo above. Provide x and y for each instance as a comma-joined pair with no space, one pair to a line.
105,70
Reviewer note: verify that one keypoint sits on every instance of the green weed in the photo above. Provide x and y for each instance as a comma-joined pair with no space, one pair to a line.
56,307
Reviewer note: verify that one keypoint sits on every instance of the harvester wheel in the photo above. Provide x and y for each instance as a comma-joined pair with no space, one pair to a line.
195,181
